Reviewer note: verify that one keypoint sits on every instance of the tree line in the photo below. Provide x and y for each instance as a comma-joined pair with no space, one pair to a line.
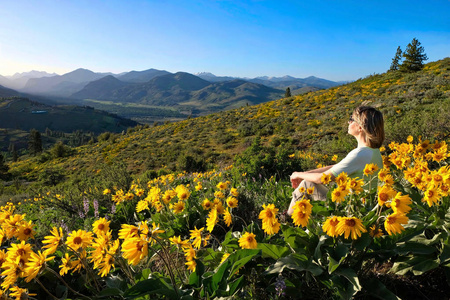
414,57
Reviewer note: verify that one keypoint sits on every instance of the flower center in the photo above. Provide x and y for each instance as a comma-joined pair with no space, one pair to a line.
77,240
350,223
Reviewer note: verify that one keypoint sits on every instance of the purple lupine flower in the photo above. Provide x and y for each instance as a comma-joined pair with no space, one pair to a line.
95,203
113,208
64,226
280,286
85,205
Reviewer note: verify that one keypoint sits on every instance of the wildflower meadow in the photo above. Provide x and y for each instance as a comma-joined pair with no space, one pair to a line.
224,234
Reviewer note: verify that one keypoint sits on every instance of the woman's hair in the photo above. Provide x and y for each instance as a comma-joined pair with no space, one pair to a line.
371,121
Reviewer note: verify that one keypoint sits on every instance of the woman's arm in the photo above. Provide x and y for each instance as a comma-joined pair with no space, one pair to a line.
296,178
309,176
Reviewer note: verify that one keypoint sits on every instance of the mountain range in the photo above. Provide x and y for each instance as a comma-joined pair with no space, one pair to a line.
196,94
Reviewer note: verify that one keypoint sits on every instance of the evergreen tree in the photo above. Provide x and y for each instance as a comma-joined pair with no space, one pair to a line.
414,57
34,142
13,151
395,65
288,93
3,168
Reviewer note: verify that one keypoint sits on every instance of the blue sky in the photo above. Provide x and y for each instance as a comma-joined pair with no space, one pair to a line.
331,39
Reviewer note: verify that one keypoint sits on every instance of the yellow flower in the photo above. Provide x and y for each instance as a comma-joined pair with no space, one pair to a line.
53,241
431,196
178,207
338,195
196,234
326,178
341,179
232,202
212,220
128,231
270,223
207,204
329,227
222,186
134,250
375,231
79,239
393,222
400,204
106,192
106,264
22,251
355,185
227,218
224,257
219,194
177,241
142,205
350,226
191,264
234,192
334,158
20,293
302,211
248,241
182,192
409,139
66,265
101,226
370,169
25,231
385,193
35,264
310,190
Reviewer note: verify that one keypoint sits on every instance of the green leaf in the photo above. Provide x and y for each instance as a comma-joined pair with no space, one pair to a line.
196,277
333,264
445,256
415,248
273,251
351,276
108,292
239,258
296,237
417,264
235,285
151,286
375,288
425,266
115,282
318,251
362,242
297,262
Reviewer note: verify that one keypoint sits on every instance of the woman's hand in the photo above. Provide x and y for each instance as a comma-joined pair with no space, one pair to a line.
295,179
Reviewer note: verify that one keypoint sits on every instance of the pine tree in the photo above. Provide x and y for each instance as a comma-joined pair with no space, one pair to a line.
3,168
34,142
395,65
414,57
288,93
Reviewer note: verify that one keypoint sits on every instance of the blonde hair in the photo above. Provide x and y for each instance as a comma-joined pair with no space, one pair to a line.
371,121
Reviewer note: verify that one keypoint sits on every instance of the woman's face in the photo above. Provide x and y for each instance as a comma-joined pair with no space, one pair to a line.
353,126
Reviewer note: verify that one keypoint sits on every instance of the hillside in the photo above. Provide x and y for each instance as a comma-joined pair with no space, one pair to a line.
416,104
22,114
5,92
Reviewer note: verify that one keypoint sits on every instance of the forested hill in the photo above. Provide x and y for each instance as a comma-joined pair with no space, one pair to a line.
413,104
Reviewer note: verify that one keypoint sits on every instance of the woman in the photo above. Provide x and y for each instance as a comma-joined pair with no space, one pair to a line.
367,126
